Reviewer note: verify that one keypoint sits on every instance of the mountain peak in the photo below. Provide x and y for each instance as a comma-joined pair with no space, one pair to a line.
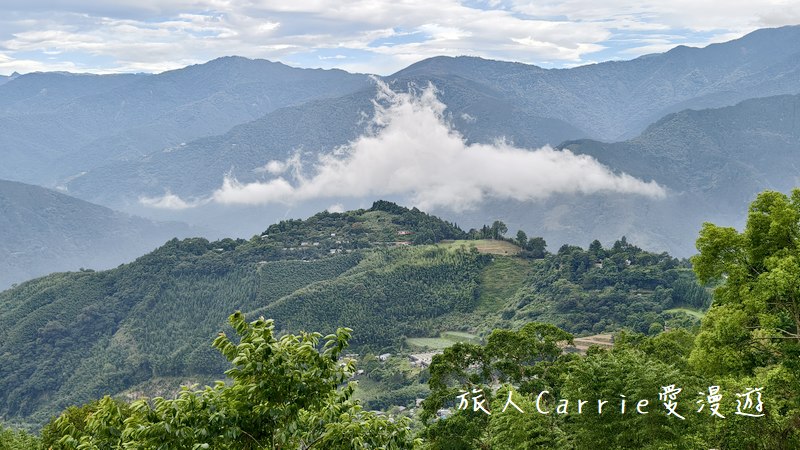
462,64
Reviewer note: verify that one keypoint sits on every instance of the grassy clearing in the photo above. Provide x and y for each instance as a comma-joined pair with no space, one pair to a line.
460,336
692,312
445,339
489,246
431,343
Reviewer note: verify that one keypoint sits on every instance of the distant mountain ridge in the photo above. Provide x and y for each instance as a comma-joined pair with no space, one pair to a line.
118,117
43,231
619,98
726,152
713,162
6,78
183,131
41,92
486,100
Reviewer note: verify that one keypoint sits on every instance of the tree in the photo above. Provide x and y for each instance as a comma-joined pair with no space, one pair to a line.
285,393
524,358
755,318
538,247
522,239
17,440
751,333
624,370
596,249
498,229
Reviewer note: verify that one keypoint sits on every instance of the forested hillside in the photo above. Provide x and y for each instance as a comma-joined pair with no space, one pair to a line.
732,383
146,324
601,290
56,330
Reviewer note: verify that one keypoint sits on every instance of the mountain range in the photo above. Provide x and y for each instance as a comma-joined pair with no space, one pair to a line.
44,231
711,126
682,118
6,78
712,162
58,125
485,100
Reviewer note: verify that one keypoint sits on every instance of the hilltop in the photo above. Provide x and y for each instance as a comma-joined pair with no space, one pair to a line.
145,326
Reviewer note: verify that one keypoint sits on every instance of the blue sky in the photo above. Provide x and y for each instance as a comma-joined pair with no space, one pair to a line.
373,36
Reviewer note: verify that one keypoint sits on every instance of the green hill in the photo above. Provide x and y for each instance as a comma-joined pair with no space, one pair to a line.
54,330
68,338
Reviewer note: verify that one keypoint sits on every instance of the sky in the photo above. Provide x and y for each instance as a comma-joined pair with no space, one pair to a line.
367,36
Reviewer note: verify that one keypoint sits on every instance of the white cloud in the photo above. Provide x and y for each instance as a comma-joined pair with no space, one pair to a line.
272,168
336,208
738,15
169,201
373,36
153,36
413,152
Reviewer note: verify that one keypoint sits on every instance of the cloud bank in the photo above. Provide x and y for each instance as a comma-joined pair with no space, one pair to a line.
413,151
373,36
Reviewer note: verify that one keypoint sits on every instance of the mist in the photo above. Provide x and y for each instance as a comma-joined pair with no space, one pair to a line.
412,150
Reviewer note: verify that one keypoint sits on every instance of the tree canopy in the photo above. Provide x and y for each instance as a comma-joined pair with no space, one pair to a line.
755,320
284,393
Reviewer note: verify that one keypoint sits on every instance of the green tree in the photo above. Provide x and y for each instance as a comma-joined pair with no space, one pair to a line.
596,249
750,334
524,358
498,229
17,440
755,319
522,239
627,371
284,393
537,246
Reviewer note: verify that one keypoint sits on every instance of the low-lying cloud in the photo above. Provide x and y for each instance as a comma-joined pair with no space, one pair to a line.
169,201
413,151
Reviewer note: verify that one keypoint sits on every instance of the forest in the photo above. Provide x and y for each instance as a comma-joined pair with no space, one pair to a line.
729,380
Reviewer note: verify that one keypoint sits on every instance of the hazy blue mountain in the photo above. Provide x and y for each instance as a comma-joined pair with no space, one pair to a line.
41,92
182,131
485,100
713,163
726,153
620,98
43,231
150,113
198,167
6,78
